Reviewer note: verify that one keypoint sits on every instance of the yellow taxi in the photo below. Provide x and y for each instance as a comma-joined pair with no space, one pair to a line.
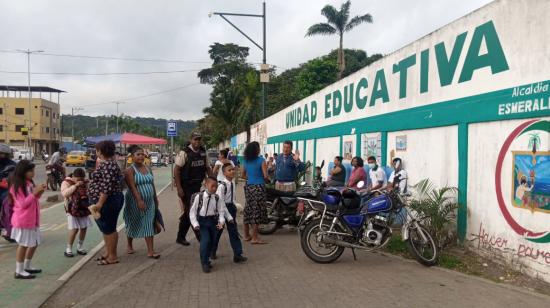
146,162
76,158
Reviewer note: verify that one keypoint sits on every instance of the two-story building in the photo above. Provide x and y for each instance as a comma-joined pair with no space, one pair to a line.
39,128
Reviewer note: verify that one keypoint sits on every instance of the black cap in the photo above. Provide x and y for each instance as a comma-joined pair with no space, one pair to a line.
196,135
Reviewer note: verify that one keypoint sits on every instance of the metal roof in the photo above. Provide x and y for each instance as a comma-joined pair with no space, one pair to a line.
33,89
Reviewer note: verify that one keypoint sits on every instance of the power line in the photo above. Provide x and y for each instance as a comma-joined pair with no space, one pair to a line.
112,58
143,96
101,74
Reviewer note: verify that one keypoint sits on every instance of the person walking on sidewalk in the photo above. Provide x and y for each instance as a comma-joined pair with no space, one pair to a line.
255,173
222,160
26,218
207,215
105,193
226,191
287,167
75,192
190,170
141,202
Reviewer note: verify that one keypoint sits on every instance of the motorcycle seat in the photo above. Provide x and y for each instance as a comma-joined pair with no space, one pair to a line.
271,192
288,201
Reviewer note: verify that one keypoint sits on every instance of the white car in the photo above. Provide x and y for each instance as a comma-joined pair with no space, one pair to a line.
23,154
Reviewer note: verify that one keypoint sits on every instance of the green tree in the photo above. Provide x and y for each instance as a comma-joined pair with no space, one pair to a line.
338,22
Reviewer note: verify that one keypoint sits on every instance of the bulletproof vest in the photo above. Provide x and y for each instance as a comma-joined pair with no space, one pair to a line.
194,168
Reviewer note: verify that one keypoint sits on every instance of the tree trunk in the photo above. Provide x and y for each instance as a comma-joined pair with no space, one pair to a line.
341,60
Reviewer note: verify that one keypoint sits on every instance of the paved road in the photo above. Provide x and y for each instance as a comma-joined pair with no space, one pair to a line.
277,275
49,256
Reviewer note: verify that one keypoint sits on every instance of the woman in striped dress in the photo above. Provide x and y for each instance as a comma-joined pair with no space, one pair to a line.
141,202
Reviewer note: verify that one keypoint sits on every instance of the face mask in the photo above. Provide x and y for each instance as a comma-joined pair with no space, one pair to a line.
372,166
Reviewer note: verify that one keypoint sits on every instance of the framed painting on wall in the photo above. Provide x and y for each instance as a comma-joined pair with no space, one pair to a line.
401,143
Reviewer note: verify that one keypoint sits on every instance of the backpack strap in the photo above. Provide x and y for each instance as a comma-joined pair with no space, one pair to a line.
224,187
201,197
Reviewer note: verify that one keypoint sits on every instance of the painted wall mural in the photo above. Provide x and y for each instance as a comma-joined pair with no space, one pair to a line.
530,180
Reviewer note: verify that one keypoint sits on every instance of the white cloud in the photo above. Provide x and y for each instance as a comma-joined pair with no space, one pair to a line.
182,30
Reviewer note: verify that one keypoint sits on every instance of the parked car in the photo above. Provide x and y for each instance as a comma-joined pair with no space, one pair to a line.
76,158
156,159
23,154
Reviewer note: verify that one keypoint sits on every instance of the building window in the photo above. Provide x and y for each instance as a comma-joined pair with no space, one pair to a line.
19,111
1,110
1,128
47,130
47,113
18,128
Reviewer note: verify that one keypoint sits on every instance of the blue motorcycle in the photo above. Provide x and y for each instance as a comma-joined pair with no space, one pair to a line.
350,219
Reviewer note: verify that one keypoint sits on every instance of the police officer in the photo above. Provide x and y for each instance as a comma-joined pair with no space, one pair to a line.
191,169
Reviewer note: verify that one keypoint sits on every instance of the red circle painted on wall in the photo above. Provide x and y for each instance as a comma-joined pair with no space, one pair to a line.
531,235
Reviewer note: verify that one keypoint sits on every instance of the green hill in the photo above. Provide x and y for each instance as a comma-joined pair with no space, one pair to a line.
85,126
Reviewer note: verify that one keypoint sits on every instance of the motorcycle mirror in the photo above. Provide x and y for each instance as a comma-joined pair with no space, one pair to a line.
361,184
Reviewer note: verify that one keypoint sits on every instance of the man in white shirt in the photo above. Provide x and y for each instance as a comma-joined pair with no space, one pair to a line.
207,214
398,177
226,191
377,175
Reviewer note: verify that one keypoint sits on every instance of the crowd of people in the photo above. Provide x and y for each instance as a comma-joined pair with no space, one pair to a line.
206,211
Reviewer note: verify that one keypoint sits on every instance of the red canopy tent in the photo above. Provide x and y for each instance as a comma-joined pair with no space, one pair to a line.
129,138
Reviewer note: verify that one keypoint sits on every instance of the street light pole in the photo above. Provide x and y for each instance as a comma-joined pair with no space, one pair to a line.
73,109
264,68
117,103
29,133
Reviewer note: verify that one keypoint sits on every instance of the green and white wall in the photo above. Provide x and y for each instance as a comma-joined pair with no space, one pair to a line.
447,104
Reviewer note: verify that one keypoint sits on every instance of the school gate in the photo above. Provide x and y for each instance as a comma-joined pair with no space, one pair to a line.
467,105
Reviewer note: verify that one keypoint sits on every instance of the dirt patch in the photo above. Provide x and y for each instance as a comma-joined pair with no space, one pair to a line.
467,262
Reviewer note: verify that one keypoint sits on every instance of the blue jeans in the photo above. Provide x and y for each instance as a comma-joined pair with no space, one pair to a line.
233,233
208,232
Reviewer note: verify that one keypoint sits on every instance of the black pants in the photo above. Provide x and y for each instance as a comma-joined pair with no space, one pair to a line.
185,223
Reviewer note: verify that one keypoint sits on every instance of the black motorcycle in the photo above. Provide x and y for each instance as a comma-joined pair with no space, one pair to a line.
283,207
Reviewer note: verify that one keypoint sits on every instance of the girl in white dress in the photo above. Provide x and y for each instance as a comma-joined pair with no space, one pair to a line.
26,218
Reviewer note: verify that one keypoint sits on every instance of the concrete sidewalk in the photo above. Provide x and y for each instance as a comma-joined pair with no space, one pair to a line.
277,274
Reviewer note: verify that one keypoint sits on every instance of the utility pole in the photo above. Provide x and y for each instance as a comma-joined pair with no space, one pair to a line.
117,103
264,74
73,109
29,52
106,126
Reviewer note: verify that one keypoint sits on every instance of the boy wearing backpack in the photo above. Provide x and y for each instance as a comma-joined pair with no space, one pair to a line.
207,217
75,191
226,191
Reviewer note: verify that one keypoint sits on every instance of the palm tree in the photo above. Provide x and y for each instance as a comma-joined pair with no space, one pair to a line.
338,22
534,141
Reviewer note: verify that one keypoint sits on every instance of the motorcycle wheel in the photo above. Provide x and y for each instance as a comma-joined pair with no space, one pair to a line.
272,225
52,183
425,253
316,251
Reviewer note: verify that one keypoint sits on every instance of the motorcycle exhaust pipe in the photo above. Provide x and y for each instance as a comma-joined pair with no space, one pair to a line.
329,240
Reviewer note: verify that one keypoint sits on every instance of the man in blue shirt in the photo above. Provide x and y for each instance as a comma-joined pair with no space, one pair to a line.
287,167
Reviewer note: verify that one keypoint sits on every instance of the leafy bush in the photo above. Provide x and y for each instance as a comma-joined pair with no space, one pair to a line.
436,207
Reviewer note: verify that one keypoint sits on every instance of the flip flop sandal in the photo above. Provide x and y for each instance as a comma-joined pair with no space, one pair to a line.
105,262
155,256
101,258
130,252
68,254
247,239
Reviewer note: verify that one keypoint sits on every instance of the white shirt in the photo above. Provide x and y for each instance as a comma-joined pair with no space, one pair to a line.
227,194
403,180
55,158
220,175
378,176
209,207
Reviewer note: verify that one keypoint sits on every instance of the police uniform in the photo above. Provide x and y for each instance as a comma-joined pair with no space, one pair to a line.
193,171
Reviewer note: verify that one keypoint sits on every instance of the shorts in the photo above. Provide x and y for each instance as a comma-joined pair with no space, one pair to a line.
107,223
